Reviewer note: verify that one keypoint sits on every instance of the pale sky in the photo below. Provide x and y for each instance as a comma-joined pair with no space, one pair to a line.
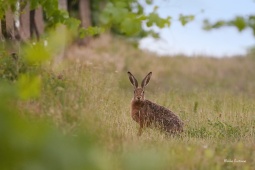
192,39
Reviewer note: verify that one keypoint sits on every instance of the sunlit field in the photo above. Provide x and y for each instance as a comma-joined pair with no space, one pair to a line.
84,112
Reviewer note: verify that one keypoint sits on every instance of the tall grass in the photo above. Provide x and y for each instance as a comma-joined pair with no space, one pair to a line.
90,93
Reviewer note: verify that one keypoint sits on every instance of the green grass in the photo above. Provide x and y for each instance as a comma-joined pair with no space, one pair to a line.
90,94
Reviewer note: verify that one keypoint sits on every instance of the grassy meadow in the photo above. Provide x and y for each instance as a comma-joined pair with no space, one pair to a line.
89,95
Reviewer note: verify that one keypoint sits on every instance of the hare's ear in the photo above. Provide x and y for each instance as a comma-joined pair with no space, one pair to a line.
146,80
133,80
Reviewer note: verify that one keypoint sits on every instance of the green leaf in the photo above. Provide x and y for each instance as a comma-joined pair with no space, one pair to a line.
140,9
131,26
149,24
153,17
155,8
160,23
142,17
36,53
72,23
90,31
149,2
251,23
118,14
154,34
105,19
240,23
29,86
33,4
121,4
184,19
207,26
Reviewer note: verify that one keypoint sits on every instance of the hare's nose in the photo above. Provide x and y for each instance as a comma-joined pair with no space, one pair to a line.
138,97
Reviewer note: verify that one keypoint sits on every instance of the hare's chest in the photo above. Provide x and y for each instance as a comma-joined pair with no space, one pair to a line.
140,115
136,115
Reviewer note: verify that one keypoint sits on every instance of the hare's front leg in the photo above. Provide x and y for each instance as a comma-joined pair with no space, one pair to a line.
140,128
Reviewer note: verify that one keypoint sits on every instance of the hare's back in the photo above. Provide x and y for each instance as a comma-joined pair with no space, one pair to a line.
164,116
159,111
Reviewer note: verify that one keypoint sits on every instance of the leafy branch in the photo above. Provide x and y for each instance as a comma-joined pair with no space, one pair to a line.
240,22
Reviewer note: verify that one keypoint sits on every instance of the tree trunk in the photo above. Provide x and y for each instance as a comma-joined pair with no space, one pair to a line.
9,33
9,23
36,23
39,20
1,34
24,30
62,4
85,16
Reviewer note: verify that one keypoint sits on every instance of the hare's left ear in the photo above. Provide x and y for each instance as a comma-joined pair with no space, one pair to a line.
133,80
146,80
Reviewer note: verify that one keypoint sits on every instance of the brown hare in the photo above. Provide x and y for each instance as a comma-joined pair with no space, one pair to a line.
147,113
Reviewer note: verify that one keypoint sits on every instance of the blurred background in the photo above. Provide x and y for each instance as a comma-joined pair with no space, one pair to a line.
65,94
192,39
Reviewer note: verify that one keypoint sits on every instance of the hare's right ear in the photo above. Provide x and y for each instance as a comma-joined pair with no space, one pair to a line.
146,80
133,80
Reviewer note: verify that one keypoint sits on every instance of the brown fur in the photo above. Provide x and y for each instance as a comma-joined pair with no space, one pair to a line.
147,113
